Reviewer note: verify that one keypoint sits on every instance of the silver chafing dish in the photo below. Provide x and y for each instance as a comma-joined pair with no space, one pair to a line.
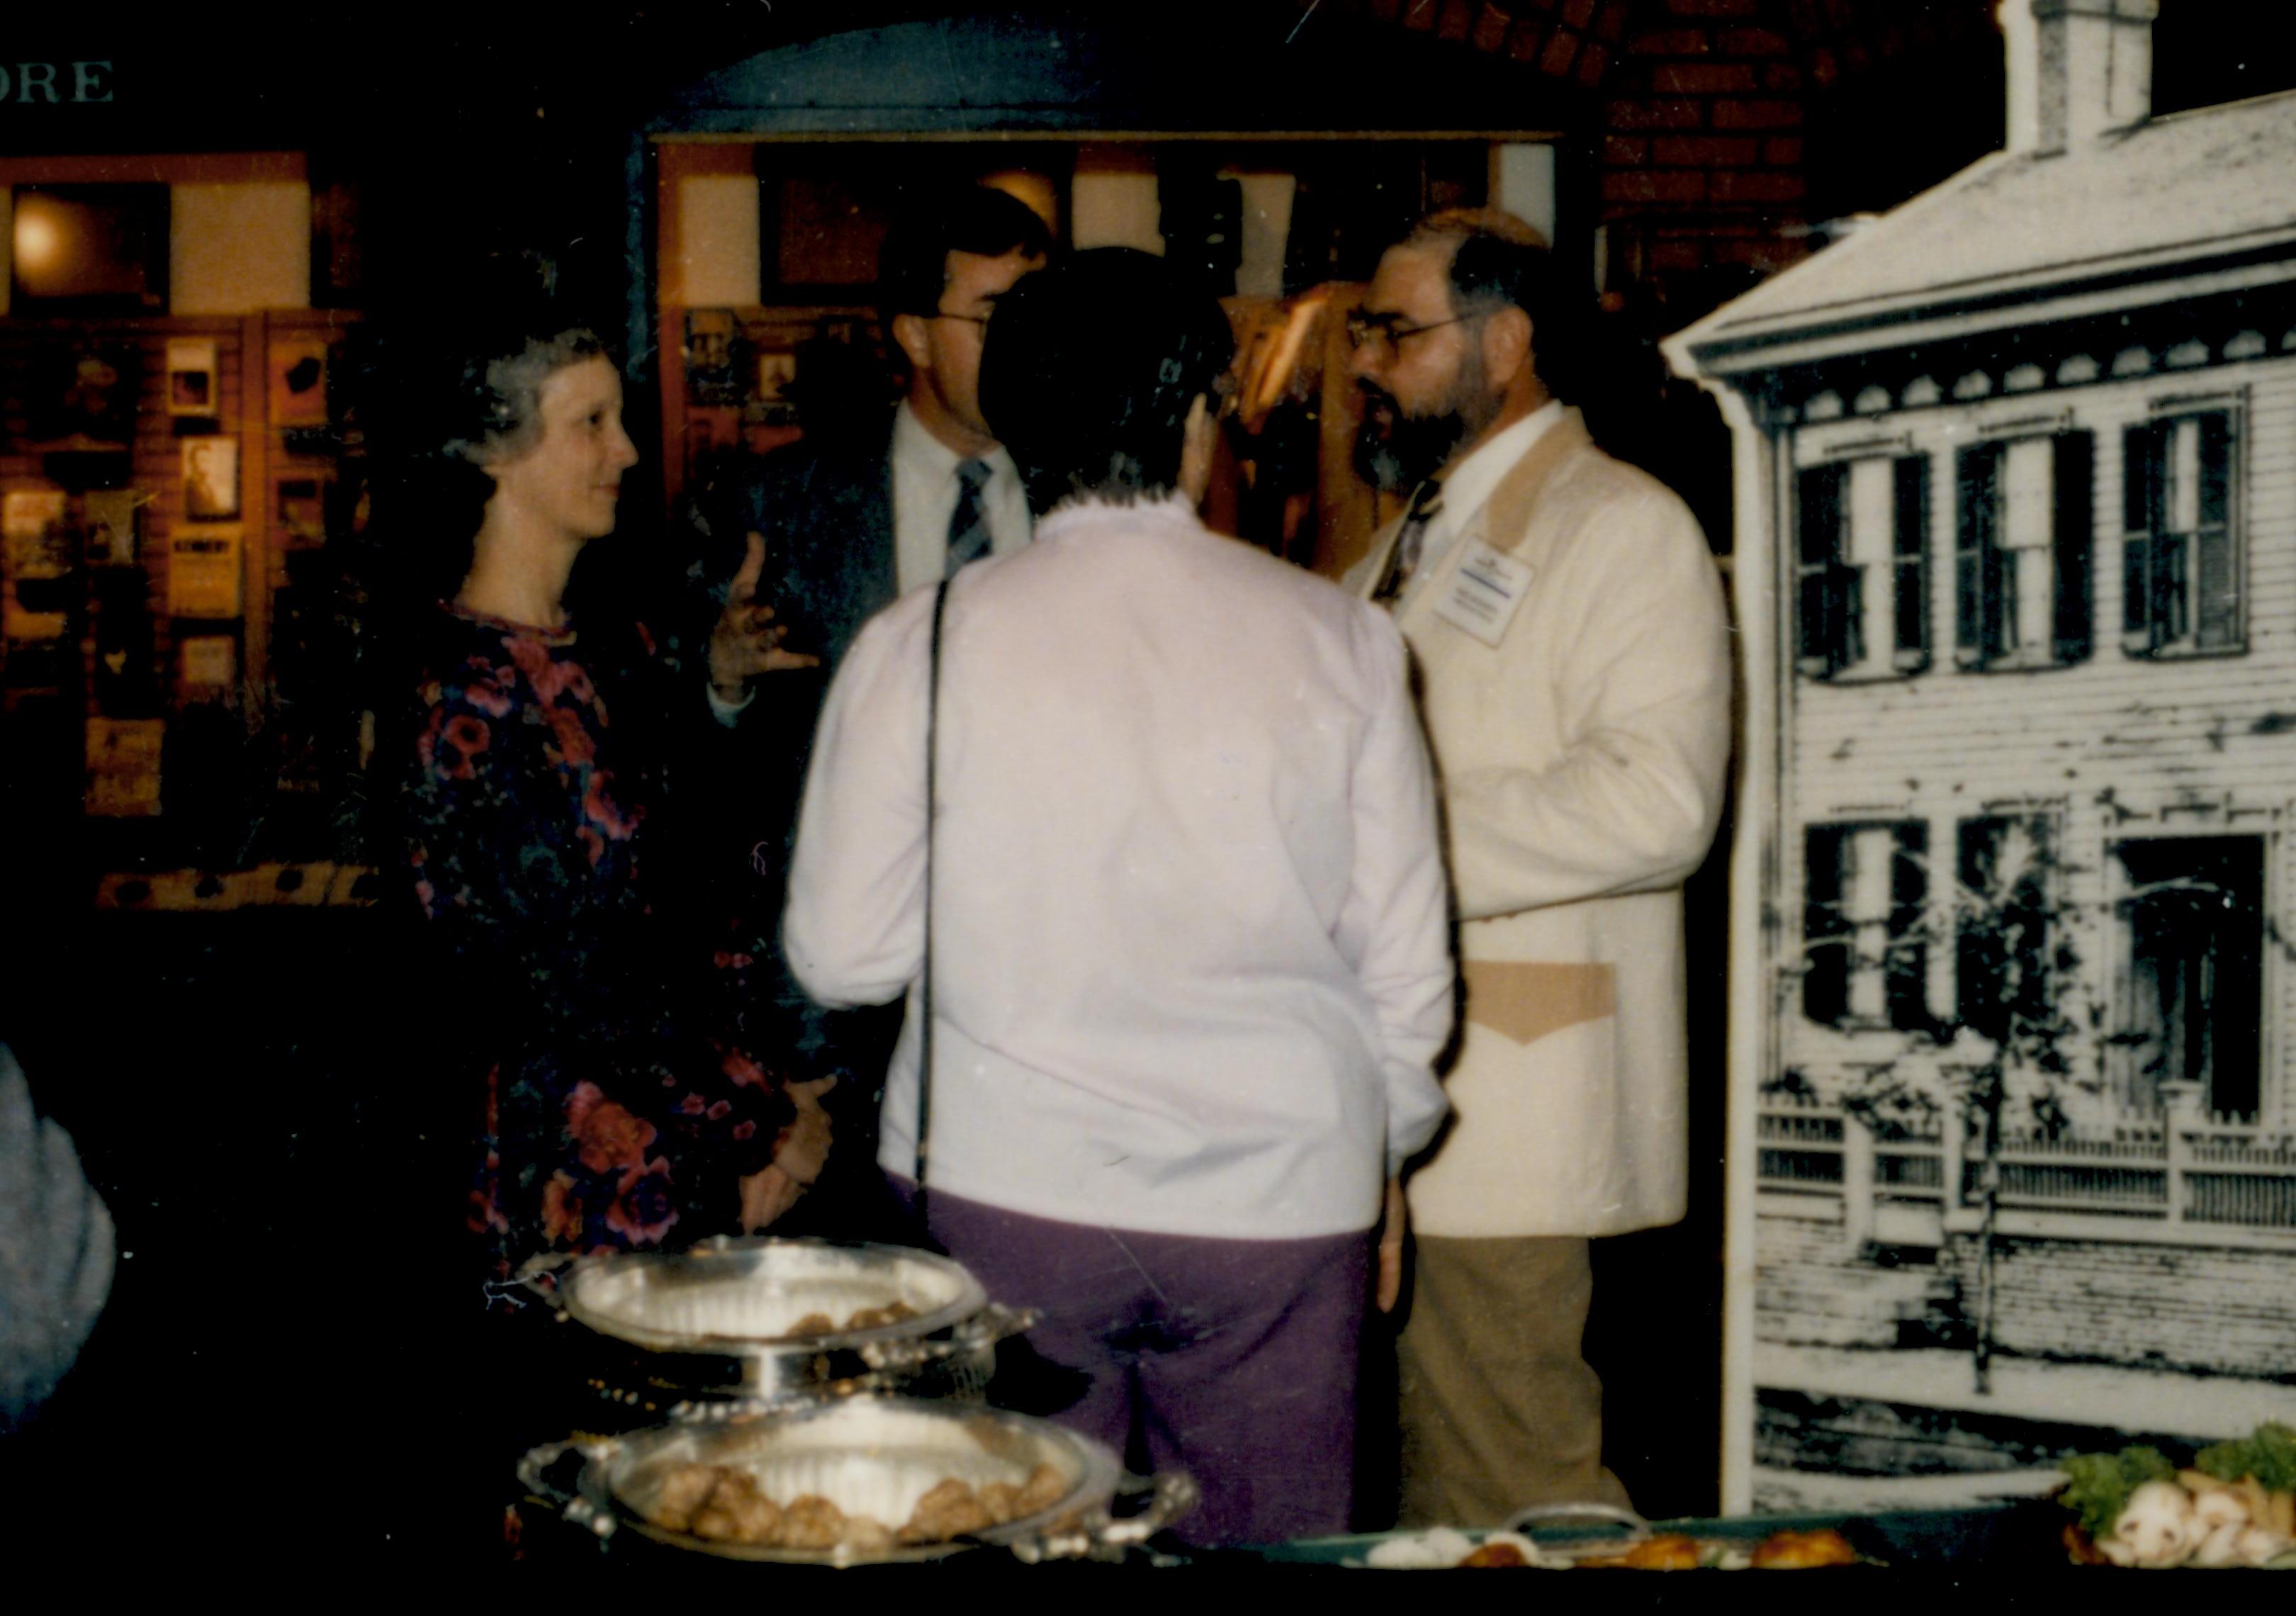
716,1331
872,1457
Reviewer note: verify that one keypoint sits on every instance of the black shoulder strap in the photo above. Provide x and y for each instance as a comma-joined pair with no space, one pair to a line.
925,983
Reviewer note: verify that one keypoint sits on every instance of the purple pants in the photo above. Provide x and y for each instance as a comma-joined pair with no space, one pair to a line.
1238,1357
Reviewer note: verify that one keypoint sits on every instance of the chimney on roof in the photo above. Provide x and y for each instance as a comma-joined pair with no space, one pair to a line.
2076,69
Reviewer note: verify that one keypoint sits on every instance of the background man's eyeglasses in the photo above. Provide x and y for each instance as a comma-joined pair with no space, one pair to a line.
1387,336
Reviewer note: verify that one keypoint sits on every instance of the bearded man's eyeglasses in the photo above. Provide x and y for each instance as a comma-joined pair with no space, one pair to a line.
1382,333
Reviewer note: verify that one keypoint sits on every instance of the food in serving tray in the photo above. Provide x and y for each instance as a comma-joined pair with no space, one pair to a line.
1667,1551
1782,1551
1800,1551
2234,1505
1442,1547
867,1318
724,1504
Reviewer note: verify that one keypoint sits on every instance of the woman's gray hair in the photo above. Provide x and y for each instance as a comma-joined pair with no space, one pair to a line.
502,395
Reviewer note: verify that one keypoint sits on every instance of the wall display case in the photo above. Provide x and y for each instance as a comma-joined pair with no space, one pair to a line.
92,250
172,490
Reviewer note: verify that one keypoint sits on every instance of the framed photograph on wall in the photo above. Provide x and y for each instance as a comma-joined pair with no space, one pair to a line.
203,574
207,665
712,338
38,558
112,539
776,401
123,767
191,377
32,522
298,372
211,478
299,510
86,399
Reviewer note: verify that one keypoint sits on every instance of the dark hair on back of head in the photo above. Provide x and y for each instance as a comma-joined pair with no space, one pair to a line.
1497,261
1090,367
913,267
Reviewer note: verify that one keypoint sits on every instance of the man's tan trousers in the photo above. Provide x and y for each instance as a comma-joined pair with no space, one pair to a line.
1499,1409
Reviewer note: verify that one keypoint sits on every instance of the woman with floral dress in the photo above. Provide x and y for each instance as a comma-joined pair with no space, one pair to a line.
542,755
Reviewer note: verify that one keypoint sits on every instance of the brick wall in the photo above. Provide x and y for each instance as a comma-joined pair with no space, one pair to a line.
2205,1309
2210,1310
1702,110
1811,1287
1702,147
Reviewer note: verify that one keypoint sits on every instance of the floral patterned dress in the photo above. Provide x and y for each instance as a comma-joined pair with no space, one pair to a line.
607,1117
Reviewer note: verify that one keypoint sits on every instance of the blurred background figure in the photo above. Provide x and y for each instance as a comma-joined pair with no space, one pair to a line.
56,1259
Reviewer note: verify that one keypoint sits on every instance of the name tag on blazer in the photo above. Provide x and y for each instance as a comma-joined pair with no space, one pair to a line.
1484,592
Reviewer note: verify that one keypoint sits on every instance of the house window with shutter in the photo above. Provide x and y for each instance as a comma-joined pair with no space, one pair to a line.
1865,956
2002,930
1862,557
2024,533
2181,565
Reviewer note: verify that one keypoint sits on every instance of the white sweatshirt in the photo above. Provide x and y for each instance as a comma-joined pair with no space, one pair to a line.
1189,932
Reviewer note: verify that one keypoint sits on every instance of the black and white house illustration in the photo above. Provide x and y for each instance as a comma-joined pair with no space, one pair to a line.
2013,1108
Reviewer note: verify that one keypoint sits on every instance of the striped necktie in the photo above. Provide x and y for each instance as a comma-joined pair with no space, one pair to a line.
1403,561
968,524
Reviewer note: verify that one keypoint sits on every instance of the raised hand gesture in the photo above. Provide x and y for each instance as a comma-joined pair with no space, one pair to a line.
747,641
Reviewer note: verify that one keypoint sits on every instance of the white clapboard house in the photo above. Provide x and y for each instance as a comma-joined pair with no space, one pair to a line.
2013,1115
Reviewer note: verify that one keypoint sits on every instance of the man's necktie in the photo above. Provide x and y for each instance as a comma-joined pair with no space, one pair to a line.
1403,561
968,524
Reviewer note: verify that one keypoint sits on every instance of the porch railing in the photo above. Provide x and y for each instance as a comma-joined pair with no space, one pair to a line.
2175,1168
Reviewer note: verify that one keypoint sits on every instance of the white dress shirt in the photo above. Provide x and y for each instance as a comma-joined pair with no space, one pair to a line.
1474,480
1191,960
924,498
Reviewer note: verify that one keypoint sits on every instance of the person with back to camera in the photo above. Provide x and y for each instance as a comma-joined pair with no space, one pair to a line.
1188,945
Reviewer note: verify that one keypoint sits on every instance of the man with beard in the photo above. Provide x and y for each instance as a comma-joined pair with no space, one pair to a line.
1568,625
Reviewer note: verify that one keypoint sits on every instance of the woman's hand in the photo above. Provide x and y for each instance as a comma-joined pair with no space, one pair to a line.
803,1144
766,1195
799,1157
1393,1223
747,641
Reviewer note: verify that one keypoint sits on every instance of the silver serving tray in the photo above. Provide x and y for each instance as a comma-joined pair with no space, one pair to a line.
735,1295
710,1332
871,1456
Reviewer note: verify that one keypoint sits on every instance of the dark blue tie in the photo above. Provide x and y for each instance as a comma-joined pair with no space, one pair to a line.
1403,561
968,524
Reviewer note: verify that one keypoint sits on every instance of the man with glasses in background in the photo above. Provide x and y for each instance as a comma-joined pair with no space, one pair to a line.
1567,623
837,526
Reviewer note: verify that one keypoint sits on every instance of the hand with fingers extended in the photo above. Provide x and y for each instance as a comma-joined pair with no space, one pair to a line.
747,641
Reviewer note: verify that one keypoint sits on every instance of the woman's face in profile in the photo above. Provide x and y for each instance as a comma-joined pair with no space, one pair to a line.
570,477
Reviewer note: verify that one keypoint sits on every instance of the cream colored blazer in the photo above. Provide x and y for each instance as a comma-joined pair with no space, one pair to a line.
1582,761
